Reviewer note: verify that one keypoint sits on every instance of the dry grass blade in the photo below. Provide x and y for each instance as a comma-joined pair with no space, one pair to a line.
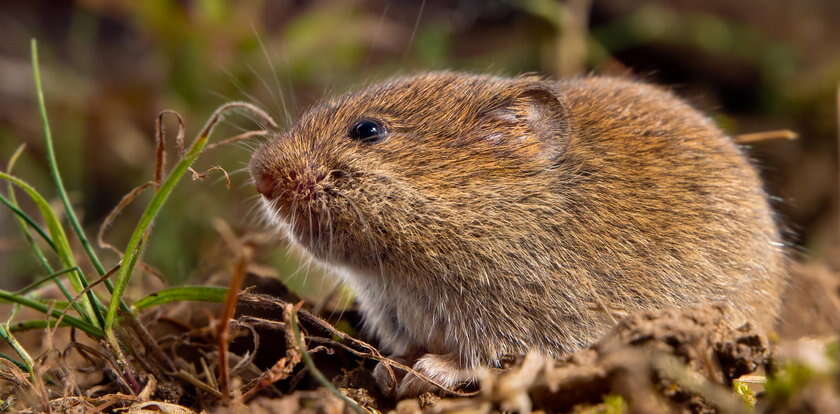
764,136
21,380
241,137
116,211
123,376
248,359
217,116
160,142
197,176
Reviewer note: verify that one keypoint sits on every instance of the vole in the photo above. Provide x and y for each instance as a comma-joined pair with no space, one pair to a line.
477,216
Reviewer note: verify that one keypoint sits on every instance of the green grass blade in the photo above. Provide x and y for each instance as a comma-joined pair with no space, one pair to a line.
184,293
35,249
14,361
28,221
60,305
24,222
56,174
86,308
55,313
34,324
34,285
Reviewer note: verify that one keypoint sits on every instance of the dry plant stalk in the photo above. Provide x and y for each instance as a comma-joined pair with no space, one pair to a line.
243,254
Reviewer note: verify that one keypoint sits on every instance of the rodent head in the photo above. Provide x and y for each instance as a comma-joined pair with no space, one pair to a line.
410,167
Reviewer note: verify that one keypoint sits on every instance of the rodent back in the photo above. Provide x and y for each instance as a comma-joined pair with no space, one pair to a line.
690,219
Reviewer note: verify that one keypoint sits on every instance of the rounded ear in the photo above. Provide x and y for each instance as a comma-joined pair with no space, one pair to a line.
533,115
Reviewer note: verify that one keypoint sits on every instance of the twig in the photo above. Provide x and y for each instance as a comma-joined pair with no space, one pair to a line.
186,376
571,44
766,135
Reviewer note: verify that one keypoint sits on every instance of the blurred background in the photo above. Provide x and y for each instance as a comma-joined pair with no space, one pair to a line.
110,66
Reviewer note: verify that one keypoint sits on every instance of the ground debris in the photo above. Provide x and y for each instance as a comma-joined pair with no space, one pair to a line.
672,361
680,361
318,401
808,380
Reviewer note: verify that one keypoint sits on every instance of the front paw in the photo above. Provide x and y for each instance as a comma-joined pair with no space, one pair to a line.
388,379
442,369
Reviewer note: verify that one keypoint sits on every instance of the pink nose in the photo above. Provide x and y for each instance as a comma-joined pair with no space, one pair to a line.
265,184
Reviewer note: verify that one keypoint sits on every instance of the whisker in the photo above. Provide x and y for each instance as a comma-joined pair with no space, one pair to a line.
414,30
239,87
378,30
273,69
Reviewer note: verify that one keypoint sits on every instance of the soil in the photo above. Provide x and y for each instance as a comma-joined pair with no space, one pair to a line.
673,361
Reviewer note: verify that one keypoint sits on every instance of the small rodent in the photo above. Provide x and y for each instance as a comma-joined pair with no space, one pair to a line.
479,216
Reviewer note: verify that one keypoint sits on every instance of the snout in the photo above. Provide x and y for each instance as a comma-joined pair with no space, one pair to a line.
265,183
289,183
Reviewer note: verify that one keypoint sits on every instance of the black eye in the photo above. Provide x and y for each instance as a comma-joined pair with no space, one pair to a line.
369,131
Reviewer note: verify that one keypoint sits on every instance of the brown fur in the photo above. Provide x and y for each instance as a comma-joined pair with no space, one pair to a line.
509,214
